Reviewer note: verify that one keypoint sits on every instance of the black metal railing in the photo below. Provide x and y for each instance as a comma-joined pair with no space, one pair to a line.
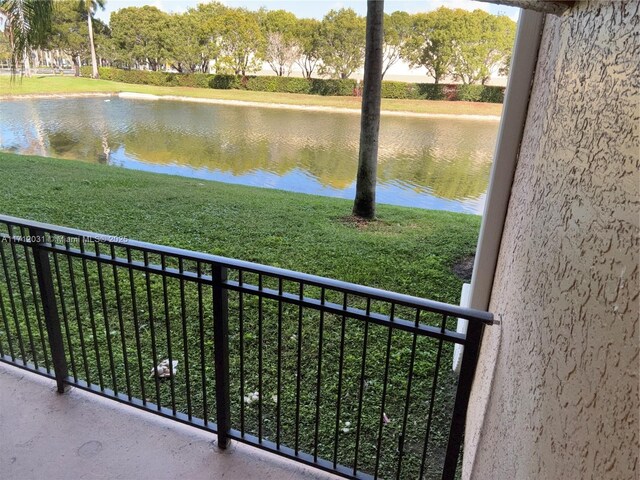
349,379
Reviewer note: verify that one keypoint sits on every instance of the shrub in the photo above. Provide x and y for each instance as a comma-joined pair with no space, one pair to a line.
224,82
398,90
278,84
431,91
449,92
336,87
315,86
492,94
469,93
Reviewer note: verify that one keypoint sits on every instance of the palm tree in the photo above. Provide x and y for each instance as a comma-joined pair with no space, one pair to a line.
91,6
27,24
364,205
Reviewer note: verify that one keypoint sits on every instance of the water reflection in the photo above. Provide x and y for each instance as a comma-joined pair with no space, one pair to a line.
427,163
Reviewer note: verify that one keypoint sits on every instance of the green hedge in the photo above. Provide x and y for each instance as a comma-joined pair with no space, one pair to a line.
315,86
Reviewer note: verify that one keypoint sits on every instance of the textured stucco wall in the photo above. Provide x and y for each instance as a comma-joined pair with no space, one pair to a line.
556,392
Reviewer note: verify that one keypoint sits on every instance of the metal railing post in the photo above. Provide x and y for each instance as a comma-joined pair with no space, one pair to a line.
221,352
49,307
463,392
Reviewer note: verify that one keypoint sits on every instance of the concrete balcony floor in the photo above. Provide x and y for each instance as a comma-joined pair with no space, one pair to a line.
79,435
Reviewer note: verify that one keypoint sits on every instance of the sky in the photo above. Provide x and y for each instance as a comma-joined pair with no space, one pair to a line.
312,8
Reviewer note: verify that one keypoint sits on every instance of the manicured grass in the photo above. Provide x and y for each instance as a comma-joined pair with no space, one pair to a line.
406,250
59,84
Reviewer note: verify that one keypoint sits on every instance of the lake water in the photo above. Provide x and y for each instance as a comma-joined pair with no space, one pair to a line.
426,163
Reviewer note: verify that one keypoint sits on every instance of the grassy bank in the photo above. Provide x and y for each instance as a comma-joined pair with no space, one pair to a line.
407,250
60,85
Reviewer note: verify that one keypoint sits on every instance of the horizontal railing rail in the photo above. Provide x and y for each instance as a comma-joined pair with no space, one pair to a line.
346,378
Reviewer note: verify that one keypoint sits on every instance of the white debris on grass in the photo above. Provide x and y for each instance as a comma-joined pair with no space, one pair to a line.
163,370
252,397
346,426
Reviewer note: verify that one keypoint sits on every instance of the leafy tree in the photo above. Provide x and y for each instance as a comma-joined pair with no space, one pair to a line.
27,25
70,31
431,42
90,7
5,49
139,35
106,48
184,42
484,44
364,204
397,30
208,17
342,41
308,37
241,41
282,48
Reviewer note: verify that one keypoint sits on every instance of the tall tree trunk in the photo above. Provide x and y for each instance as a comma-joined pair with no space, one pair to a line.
365,202
94,61
26,62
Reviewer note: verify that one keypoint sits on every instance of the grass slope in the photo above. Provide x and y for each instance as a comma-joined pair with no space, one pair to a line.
59,84
407,250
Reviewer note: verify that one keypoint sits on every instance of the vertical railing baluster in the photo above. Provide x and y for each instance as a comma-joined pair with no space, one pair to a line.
123,340
185,336
12,304
152,329
407,400
65,316
299,368
432,401
362,384
23,300
203,380
105,319
260,340
467,372
2,313
136,325
384,392
241,346
319,377
279,372
76,308
35,302
49,307
92,320
336,439
167,321
221,351
5,320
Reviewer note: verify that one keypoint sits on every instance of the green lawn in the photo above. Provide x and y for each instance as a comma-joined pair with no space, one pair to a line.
59,84
406,250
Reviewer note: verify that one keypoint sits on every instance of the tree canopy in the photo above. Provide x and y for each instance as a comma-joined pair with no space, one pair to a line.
465,45
341,43
140,34
484,42
241,40
397,31
450,44
282,47
307,35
